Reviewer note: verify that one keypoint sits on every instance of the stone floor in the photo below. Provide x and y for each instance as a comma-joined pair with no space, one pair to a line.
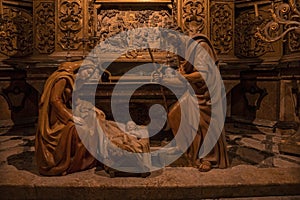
258,170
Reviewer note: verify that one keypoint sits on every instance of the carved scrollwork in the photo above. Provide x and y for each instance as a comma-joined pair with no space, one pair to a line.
247,44
286,16
45,27
194,15
70,17
16,35
222,27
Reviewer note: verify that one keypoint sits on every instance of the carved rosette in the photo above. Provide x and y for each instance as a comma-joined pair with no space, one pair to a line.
16,35
70,17
193,16
247,44
45,27
222,27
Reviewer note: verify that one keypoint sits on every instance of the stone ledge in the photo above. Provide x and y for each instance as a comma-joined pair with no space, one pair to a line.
169,183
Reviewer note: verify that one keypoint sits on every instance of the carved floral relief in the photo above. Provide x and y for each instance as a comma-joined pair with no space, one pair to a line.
45,27
193,16
247,44
16,35
70,16
222,27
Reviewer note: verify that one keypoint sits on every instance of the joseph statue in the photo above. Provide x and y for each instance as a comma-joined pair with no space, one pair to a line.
191,72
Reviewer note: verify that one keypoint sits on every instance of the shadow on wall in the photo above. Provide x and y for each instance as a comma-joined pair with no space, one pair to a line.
18,105
16,29
246,97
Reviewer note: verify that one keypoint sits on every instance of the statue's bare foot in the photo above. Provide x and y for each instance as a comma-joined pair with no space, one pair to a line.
204,166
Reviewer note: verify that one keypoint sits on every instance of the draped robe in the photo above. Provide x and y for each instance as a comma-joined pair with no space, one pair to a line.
58,148
218,155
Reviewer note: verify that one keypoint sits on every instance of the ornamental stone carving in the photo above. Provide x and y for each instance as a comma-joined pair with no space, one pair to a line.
294,37
194,12
16,35
294,42
70,24
175,10
111,22
222,27
92,29
45,27
247,44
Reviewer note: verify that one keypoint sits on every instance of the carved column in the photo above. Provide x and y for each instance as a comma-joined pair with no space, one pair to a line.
44,26
70,24
75,27
91,24
15,31
194,17
222,27
212,18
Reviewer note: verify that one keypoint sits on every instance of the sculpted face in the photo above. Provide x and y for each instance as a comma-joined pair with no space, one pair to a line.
169,72
86,72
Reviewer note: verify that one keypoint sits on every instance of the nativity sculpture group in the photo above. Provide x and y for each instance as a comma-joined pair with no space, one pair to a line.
59,149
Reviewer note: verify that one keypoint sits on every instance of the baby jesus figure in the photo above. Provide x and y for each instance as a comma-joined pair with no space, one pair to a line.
169,73
132,129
